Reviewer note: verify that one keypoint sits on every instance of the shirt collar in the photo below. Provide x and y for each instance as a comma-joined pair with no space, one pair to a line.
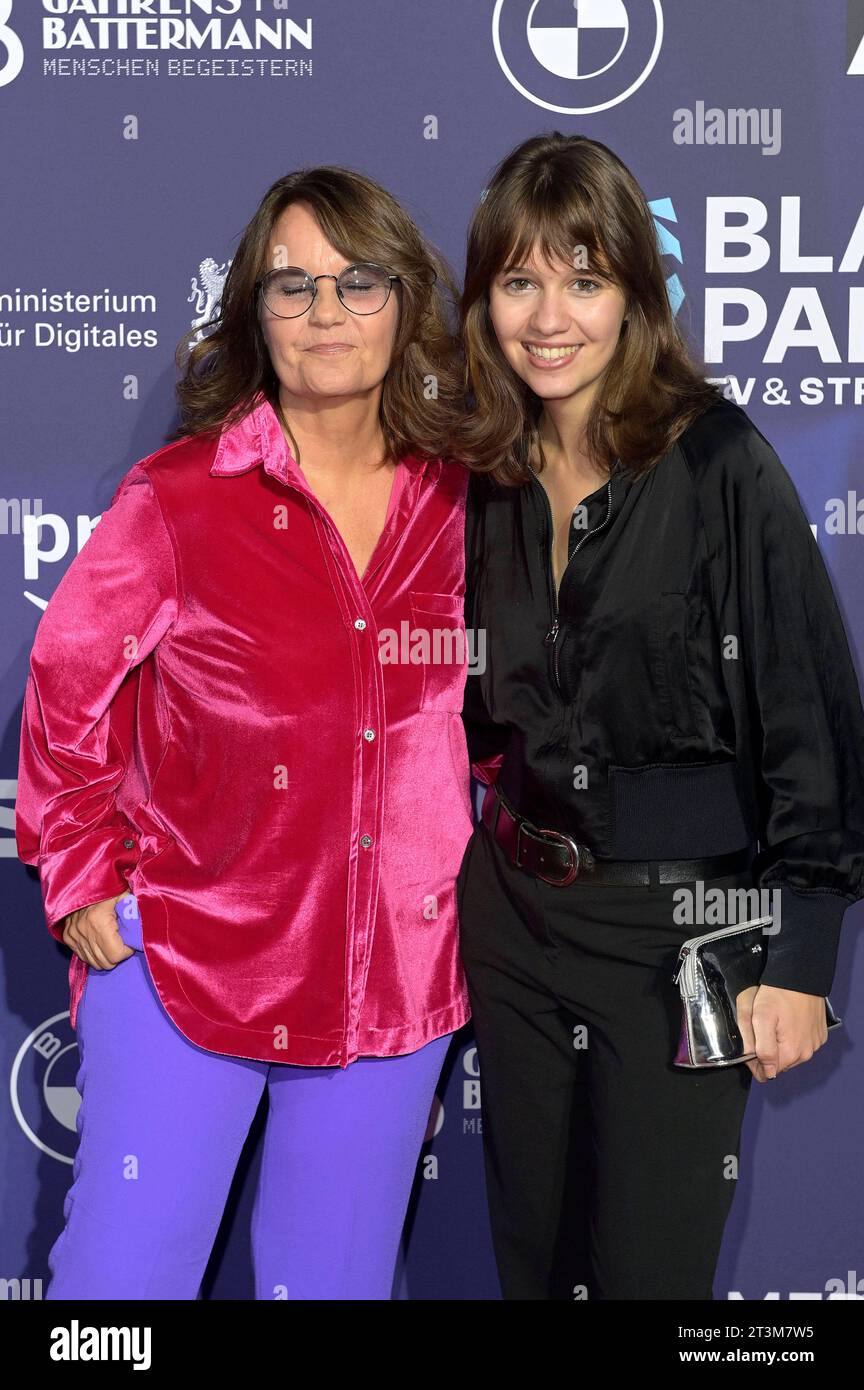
259,438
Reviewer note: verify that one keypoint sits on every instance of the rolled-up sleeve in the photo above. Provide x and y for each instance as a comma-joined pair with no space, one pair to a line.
114,604
796,674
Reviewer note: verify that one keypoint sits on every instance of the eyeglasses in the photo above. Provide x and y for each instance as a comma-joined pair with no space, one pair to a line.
290,291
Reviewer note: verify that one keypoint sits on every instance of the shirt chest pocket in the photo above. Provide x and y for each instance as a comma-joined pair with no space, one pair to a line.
438,647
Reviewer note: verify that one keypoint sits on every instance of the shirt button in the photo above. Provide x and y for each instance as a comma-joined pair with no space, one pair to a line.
359,623
366,841
368,734
128,844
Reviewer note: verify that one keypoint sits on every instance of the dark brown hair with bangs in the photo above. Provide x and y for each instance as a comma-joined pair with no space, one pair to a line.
556,193
225,370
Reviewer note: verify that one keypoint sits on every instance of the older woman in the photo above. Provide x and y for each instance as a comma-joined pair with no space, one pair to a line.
216,755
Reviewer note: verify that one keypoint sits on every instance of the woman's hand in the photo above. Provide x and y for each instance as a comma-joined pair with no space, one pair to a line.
782,1026
92,934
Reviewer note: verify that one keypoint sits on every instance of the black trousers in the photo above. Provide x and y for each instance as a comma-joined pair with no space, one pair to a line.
609,1172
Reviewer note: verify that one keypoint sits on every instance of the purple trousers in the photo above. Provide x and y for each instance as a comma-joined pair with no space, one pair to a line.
161,1125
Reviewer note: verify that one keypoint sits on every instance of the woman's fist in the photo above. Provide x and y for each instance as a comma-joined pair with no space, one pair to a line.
92,933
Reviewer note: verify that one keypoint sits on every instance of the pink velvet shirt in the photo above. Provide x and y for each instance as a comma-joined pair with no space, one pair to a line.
223,719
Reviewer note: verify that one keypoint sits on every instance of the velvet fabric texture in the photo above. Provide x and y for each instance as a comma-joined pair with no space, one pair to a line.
221,717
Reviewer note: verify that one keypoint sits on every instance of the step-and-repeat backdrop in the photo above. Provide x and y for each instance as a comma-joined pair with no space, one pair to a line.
137,138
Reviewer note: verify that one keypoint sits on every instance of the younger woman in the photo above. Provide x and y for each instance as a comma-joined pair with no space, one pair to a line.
667,683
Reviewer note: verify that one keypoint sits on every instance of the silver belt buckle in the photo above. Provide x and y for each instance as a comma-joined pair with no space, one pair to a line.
575,857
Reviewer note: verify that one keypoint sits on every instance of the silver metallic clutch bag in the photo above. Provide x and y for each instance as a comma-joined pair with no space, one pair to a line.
712,971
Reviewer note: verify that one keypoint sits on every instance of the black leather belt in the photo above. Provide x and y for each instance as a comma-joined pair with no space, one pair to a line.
558,859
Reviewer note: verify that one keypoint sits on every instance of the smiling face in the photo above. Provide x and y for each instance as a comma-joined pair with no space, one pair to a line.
328,351
557,326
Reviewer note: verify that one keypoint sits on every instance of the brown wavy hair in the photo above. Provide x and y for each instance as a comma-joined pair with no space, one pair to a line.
225,370
558,192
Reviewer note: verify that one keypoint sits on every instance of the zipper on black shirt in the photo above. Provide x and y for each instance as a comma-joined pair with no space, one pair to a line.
551,638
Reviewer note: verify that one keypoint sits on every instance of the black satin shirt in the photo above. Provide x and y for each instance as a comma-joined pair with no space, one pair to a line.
690,691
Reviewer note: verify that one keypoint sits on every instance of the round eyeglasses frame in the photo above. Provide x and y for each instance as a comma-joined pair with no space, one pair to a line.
313,280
